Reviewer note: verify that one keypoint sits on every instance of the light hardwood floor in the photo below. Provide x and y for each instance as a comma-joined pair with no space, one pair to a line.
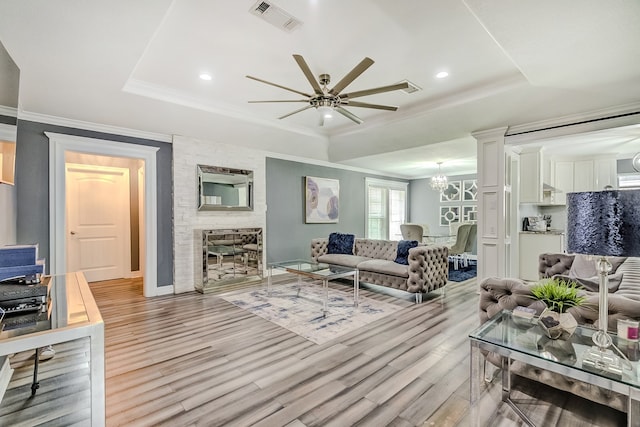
192,359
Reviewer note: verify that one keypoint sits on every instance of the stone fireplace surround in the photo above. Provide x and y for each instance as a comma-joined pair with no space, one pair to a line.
187,154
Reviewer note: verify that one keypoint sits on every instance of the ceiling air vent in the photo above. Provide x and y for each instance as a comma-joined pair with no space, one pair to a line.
275,16
412,87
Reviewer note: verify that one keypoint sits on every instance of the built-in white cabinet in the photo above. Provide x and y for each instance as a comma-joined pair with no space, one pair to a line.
534,244
531,173
570,176
606,172
547,180
582,175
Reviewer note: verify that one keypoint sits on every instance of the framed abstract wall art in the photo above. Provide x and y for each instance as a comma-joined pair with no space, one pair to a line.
322,200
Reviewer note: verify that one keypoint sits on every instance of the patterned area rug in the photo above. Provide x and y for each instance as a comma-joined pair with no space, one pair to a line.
463,273
302,312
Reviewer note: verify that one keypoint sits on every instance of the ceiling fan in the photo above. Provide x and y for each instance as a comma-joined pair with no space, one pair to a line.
327,100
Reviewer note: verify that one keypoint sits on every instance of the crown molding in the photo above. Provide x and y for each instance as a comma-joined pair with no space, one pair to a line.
621,115
96,127
324,163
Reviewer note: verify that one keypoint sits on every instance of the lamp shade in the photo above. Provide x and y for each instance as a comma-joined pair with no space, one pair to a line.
605,223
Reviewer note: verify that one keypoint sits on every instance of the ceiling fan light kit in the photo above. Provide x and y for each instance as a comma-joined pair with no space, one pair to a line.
327,100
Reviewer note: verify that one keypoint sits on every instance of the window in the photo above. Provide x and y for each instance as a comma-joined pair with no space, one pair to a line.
386,208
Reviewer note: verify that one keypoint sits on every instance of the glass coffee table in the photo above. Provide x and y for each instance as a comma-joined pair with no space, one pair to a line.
518,339
317,271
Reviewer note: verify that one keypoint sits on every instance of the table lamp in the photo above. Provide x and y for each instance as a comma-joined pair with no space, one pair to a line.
603,223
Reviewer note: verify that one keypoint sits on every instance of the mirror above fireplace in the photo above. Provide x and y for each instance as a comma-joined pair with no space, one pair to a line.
221,188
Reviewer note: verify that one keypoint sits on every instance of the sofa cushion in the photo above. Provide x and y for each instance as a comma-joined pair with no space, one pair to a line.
340,243
403,251
383,266
342,259
593,283
585,266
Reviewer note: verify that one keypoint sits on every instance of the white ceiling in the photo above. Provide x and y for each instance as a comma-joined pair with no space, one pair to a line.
136,65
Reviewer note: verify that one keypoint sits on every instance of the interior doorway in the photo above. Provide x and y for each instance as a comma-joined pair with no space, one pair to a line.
59,146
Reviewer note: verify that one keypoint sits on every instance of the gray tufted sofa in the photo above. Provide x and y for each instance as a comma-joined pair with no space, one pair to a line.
427,271
497,294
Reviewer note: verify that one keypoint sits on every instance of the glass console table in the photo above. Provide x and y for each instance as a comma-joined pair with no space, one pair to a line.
72,314
517,339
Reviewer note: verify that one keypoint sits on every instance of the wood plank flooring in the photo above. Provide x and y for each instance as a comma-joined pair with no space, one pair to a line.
192,359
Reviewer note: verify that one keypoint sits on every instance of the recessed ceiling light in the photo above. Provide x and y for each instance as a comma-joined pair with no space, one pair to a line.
442,74
205,76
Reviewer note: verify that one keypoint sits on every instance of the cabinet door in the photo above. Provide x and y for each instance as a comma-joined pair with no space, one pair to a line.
563,180
530,177
531,246
583,179
606,173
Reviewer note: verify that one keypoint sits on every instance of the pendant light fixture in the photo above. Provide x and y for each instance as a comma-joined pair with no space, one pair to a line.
439,181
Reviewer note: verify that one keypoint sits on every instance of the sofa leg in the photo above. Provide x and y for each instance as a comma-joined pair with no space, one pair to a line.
418,297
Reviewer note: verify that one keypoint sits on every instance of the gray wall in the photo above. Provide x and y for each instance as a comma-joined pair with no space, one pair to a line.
425,203
32,187
287,235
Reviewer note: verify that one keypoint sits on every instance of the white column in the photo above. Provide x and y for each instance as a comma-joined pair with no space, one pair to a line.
494,204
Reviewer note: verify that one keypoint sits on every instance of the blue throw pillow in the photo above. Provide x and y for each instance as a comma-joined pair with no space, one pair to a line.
340,243
403,250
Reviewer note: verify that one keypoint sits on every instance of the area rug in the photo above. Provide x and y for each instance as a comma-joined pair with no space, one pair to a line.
463,273
301,312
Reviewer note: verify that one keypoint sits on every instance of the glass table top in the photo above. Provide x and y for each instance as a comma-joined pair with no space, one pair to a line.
65,306
312,268
526,337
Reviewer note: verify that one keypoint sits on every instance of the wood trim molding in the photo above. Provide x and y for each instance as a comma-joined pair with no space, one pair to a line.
578,123
96,127
59,145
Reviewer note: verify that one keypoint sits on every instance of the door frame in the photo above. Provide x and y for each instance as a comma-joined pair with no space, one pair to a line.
59,144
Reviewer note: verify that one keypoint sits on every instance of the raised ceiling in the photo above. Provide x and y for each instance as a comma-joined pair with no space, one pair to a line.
136,65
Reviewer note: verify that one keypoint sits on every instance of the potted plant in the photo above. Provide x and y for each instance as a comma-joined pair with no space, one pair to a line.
558,295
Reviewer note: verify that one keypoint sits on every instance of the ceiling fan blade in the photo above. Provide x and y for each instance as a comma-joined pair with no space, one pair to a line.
297,111
349,115
381,89
279,100
279,86
367,105
351,76
308,74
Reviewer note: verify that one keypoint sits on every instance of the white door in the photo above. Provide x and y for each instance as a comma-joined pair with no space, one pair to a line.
97,221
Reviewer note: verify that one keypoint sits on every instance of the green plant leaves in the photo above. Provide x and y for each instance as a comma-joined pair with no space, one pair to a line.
559,295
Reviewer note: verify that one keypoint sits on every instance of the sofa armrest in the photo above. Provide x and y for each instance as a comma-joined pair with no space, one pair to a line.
428,268
318,247
552,264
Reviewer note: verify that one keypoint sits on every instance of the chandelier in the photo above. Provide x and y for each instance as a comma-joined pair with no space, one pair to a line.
439,181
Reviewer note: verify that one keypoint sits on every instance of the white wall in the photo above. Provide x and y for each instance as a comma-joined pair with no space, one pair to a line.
187,154
7,215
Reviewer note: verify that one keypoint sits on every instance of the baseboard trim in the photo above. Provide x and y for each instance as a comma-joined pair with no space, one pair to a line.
6,372
164,290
